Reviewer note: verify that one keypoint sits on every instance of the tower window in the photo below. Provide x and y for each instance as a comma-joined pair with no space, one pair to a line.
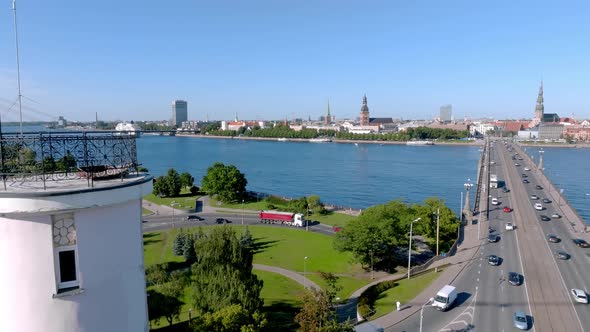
65,252
67,270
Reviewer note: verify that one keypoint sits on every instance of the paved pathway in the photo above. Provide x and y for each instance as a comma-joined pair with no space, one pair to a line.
305,282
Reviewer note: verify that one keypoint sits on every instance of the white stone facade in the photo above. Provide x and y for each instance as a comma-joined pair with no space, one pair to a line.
102,226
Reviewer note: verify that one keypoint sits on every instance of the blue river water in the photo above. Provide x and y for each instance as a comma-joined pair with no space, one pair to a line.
341,174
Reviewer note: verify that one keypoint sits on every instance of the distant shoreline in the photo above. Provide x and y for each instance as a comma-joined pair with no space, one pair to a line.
340,141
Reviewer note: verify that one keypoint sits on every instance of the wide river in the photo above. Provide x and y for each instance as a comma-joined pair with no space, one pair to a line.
350,175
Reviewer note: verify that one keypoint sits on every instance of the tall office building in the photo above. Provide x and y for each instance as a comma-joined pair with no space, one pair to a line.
446,113
179,113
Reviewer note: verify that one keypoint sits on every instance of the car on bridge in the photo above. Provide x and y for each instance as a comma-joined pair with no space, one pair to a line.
495,201
507,209
493,238
505,190
509,226
546,200
525,181
520,321
581,243
514,278
524,175
516,164
538,206
493,260
538,187
527,169
562,255
555,215
534,197
579,295
553,238
545,218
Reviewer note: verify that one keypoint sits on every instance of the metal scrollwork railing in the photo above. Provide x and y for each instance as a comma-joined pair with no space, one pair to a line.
43,157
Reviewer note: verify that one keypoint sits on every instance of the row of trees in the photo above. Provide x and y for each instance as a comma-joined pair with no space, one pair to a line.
171,184
311,204
419,133
381,231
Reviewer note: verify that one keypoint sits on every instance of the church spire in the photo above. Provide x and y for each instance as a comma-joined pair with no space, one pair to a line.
365,112
328,116
540,108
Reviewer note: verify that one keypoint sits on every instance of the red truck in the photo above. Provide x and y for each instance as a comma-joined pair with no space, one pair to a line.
285,218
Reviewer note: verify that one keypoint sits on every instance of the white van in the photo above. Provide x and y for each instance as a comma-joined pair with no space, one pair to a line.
445,297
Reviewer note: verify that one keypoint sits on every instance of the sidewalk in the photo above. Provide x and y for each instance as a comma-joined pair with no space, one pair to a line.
298,277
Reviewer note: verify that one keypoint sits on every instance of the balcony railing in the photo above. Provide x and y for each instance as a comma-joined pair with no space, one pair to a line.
44,157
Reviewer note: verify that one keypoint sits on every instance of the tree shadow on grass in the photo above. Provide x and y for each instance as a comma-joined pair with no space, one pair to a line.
281,316
259,245
147,239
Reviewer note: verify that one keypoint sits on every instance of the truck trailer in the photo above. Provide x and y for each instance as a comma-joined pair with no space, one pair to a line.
284,218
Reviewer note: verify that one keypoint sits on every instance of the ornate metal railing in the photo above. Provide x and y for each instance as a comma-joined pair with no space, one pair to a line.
44,157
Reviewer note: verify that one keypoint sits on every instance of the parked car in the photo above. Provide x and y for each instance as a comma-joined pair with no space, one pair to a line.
538,206
545,218
509,226
516,164
579,295
581,243
525,181
562,255
514,278
524,175
538,187
493,238
493,260
507,209
553,238
527,169
505,190
534,197
546,200
555,215
495,201
520,321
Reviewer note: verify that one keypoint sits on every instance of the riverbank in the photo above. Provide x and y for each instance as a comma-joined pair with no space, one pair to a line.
343,141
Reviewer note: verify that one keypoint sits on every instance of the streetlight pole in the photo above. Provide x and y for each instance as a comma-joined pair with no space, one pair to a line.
307,219
422,311
372,276
461,208
410,247
173,204
242,212
305,272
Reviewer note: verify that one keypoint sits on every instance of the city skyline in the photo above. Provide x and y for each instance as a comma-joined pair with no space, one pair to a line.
266,60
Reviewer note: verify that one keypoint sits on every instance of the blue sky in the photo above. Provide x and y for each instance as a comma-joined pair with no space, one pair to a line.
129,59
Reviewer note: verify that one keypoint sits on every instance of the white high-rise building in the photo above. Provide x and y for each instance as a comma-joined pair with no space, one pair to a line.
179,113
71,248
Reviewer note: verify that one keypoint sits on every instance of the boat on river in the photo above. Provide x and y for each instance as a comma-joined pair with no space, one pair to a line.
419,143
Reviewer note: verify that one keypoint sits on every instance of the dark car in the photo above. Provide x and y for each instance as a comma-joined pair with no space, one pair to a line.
505,190
524,175
525,181
514,278
493,238
193,218
545,218
562,255
538,187
222,221
553,238
493,260
581,243
546,200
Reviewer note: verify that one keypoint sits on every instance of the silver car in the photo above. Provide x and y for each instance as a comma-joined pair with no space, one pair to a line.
520,320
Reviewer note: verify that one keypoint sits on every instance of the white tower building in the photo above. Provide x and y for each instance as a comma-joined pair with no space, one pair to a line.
71,251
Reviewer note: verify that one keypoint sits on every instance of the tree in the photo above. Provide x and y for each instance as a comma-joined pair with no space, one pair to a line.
163,299
156,274
168,185
189,249
315,205
317,314
179,243
186,179
222,274
225,181
230,318
246,239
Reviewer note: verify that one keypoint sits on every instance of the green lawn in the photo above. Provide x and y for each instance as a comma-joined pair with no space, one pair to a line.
405,291
185,199
333,219
349,284
278,246
145,211
257,206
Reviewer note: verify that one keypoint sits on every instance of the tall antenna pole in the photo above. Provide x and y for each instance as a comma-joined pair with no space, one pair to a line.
20,110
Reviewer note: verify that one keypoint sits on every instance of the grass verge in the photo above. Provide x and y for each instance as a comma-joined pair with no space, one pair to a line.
405,291
185,199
